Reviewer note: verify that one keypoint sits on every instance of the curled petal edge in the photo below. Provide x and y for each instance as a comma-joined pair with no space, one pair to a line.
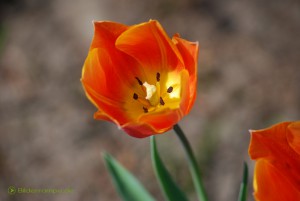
153,124
293,136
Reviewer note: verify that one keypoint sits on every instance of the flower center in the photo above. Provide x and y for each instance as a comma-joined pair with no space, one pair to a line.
150,90
152,96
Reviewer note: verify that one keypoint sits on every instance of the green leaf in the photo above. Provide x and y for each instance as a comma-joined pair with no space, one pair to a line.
128,187
171,191
2,37
243,188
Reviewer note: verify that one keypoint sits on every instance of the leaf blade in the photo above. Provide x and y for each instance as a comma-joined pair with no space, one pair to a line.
170,189
127,186
244,184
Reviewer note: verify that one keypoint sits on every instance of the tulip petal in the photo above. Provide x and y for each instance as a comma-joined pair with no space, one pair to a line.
271,144
162,121
116,68
293,136
186,101
138,130
154,123
106,34
101,76
268,142
107,109
189,52
151,47
103,87
270,184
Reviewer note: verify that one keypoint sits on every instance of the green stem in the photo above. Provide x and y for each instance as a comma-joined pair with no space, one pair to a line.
194,169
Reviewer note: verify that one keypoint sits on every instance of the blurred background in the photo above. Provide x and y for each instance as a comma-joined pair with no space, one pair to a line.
248,79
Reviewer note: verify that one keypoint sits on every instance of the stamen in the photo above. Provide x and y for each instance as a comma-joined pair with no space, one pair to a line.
139,81
135,96
157,77
170,89
143,101
162,102
145,110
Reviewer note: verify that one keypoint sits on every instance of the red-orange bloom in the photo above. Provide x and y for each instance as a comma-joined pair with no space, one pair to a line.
277,169
139,78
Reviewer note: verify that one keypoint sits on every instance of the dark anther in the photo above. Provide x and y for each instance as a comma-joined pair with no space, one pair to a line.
145,109
157,77
135,96
139,81
161,101
170,89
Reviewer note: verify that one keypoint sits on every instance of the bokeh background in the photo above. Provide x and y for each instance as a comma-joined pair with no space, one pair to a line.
249,78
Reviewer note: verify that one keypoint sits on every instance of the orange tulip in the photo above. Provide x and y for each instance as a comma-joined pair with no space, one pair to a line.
277,154
139,78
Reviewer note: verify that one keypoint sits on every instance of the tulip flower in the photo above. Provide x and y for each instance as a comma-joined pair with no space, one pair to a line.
139,78
277,169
